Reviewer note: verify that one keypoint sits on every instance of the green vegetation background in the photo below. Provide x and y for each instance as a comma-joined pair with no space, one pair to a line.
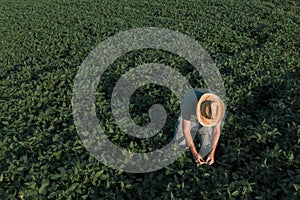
255,45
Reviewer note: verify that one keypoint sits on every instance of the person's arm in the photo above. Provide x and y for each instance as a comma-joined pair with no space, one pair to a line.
190,142
216,135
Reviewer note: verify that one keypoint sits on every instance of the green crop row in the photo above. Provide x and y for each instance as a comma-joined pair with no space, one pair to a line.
254,44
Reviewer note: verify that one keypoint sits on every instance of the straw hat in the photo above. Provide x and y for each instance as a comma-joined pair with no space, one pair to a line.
210,110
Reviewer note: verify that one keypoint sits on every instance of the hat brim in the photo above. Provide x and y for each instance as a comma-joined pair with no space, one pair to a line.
206,121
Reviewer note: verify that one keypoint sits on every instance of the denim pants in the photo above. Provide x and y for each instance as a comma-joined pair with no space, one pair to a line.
204,133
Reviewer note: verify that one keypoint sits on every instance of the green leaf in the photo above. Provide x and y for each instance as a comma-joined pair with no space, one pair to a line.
128,186
235,193
131,145
85,133
180,172
103,177
5,123
72,187
55,176
291,157
296,186
45,183
96,176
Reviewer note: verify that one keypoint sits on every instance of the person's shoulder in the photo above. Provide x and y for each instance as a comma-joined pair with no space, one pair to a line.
202,90
194,94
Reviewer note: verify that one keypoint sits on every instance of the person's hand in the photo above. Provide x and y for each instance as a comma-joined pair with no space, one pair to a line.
199,159
210,159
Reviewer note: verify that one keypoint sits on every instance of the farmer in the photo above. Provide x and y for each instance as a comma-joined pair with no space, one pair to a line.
201,113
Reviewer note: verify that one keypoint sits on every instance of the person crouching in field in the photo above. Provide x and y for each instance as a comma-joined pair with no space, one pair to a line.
201,113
